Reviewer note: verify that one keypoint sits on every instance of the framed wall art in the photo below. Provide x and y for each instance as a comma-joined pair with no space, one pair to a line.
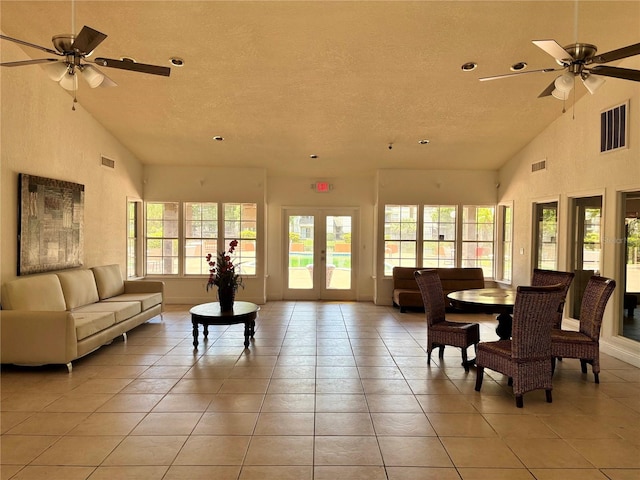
50,226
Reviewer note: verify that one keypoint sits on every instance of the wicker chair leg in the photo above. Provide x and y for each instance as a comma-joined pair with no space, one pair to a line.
429,348
519,401
441,352
583,365
596,377
549,399
480,373
465,362
510,381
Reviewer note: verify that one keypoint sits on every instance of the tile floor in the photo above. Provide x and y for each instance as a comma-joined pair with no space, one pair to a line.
327,391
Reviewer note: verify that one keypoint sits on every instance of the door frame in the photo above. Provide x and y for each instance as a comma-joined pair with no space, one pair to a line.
319,291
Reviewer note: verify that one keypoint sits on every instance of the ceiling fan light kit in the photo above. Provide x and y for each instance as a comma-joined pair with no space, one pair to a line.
576,59
74,51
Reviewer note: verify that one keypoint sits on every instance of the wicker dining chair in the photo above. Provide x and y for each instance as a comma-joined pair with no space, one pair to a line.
526,358
553,277
440,331
585,343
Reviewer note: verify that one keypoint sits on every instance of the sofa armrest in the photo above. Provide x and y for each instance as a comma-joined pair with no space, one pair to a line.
144,286
37,338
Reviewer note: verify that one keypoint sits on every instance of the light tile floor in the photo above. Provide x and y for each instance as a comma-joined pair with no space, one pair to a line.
326,391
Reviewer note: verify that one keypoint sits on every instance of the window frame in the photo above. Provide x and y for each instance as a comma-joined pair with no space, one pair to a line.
221,243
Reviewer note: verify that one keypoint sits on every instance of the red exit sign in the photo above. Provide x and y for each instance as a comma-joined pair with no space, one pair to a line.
322,187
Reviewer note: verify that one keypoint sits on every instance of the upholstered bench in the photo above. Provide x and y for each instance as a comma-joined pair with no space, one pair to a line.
406,293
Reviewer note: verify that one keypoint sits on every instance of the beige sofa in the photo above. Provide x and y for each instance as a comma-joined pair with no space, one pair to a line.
59,317
406,293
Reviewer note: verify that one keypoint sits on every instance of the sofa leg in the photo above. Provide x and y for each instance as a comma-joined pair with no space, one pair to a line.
124,337
69,367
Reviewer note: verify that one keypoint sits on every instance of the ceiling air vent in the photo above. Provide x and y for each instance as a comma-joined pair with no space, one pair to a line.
614,128
537,166
107,162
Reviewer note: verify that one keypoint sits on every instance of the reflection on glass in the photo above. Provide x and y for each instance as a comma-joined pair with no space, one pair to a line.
338,243
301,232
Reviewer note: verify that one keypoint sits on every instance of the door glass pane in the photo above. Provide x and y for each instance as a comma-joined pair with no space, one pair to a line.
300,261
547,238
338,243
588,244
631,281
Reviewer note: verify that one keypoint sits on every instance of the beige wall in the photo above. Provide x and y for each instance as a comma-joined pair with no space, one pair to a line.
433,187
203,184
41,135
355,192
571,147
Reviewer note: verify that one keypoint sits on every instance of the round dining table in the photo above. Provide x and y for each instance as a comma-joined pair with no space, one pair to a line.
489,300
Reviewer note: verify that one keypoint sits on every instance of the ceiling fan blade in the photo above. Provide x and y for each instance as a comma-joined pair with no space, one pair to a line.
624,52
32,45
87,40
507,75
29,62
616,72
554,49
133,66
547,91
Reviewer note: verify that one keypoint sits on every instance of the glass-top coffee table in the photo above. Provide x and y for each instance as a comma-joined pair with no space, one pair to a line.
210,314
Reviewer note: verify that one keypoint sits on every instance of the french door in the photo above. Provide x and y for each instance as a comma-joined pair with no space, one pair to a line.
319,256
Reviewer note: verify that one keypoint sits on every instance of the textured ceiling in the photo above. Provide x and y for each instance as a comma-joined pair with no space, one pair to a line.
342,80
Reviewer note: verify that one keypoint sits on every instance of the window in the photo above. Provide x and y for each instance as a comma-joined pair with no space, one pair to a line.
200,236
162,238
400,241
439,236
240,223
180,235
478,237
133,239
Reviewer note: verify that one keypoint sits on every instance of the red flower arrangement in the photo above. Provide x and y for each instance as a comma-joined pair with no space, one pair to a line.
222,273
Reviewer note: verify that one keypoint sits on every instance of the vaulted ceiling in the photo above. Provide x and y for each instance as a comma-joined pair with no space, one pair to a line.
284,80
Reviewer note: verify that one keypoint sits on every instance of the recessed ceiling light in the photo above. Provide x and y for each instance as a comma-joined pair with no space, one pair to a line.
313,155
516,67
177,61
423,141
467,67
218,138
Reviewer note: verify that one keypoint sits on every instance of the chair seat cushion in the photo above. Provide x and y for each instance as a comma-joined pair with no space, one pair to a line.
569,336
500,347
448,326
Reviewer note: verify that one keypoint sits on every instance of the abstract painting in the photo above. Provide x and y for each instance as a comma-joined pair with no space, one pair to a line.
50,235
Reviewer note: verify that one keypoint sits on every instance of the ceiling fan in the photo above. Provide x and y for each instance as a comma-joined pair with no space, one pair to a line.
73,52
577,59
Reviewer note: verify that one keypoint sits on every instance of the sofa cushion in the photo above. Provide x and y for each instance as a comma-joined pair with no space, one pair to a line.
89,323
79,287
39,293
108,280
121,310
147,300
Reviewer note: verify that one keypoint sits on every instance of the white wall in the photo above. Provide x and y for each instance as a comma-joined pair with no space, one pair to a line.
571,146
41,135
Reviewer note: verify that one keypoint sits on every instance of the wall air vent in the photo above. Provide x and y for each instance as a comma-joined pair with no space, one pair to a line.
614,128
537,166
107,162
